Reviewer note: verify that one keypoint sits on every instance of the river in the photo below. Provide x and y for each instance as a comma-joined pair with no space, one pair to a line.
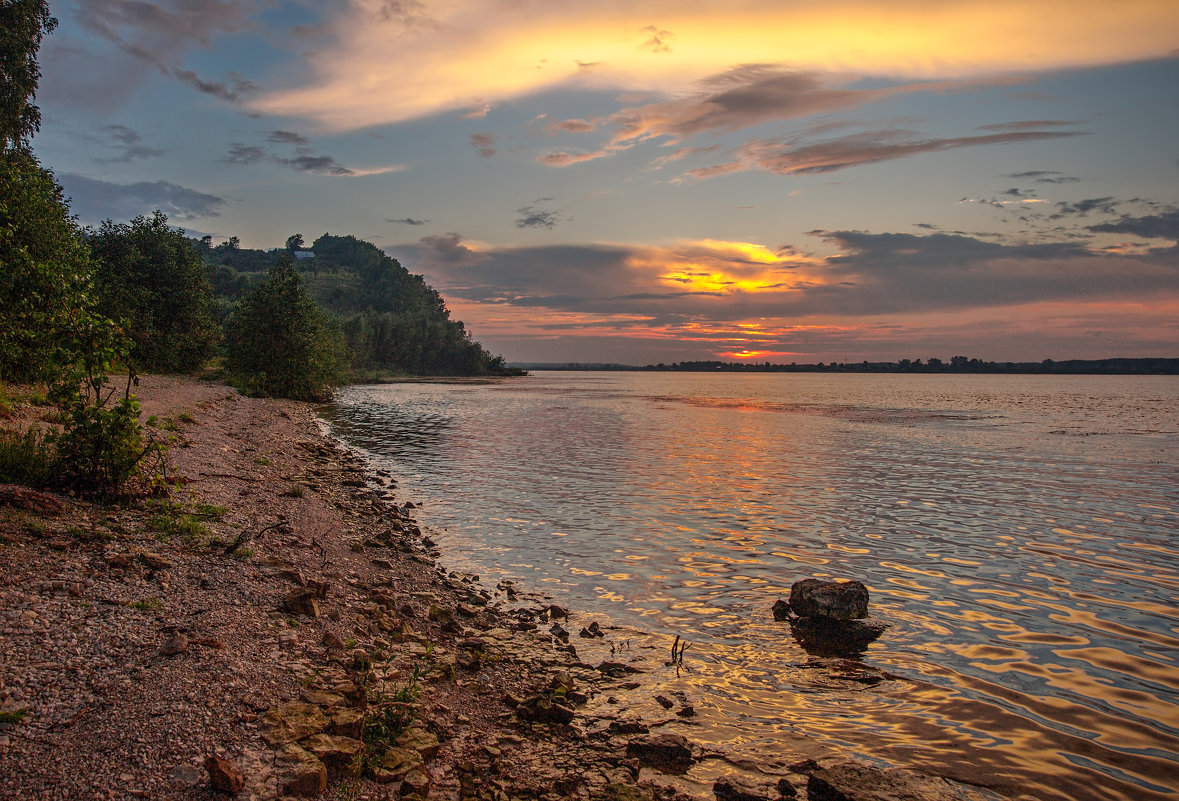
1020,534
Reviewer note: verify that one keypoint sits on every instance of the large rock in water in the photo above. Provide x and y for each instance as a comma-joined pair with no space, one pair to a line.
846,600
854,781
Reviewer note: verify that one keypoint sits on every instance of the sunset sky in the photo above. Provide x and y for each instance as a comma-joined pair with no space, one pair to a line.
650,181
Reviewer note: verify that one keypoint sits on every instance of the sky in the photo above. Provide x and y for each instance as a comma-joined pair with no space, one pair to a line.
652,181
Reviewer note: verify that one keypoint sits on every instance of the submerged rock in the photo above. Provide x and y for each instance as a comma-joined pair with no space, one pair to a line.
668,752
820,636
853,781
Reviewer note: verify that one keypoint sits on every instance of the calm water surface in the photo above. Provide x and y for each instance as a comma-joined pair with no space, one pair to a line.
1020,533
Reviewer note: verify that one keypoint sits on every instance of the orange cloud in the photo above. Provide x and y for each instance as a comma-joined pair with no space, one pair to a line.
716,267
464,54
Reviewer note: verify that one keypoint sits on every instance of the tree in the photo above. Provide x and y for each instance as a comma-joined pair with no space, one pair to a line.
295,242
23,24
44,272
149,277
279,343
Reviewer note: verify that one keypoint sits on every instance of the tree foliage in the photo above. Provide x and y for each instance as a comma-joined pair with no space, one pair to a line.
149,276
44,272
23,24
279,343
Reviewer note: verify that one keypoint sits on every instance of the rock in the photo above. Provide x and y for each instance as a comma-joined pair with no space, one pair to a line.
334,751
299,772
154,560
846,600
627,727
302,601
224,775
557,611
668,752
786,789
29,500
803,766
541,709
396,764
322,698
686,712
332,641
346,722
175,642
781,610
416,781
421,741
591,631
617,670
664,701
853,781
732,788
294,721
835,638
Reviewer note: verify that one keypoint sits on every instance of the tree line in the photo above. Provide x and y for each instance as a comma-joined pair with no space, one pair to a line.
81,306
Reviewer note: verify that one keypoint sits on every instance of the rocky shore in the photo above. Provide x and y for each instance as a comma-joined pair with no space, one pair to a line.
280,627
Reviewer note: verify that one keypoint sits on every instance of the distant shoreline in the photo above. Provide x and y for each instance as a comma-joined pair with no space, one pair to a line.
957,365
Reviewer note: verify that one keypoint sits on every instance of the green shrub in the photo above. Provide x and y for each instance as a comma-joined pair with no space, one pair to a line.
26,457
279,344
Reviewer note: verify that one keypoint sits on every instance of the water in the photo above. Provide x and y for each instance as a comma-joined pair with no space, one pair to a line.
1018,532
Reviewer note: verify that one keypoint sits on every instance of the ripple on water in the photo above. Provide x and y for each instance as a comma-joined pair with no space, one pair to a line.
1030,578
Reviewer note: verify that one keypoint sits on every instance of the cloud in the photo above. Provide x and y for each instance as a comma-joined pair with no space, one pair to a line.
126,141
571,126
561,158
424,60
875,274
533,217
288,138
797,156
1044,177
1153,226
231,91
94,200
1026,125
1082,208
484,144
407,221
303,158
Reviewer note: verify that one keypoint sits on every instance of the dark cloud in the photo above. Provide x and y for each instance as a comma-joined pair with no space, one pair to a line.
1028,125
1082,208
321,165
407,221
484,144
127,143
1044,177
876,274
797,156
1153,226
303,160
287,138
244,154
94,200
532,216
231,91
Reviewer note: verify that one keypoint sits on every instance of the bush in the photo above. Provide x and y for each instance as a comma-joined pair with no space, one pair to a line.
279,344
26,457
151,278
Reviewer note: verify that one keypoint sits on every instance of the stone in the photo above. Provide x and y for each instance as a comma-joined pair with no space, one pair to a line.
225,776
664,701
420,740
175,642
398,762
416,781
854,781
786,788
617,670
302,601
781,610
29,500
346,722
299,772
154,560
591,631
322,698
733,788
666,751
292,722
846,600
826,637
334,751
